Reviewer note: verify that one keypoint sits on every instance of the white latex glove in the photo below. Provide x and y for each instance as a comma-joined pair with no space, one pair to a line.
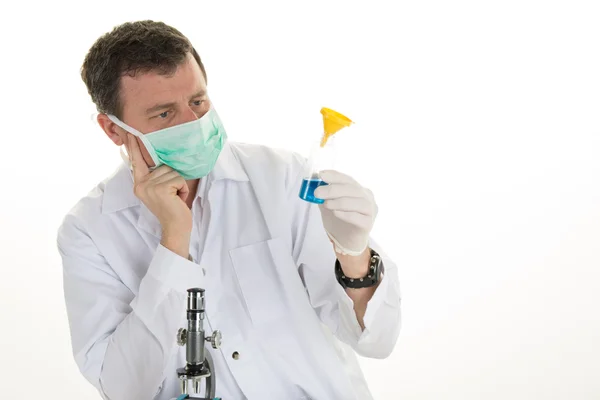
348,213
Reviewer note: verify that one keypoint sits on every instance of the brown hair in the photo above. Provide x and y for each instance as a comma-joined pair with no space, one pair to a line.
131,48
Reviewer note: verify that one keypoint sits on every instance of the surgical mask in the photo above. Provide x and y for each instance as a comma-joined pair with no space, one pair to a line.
191,148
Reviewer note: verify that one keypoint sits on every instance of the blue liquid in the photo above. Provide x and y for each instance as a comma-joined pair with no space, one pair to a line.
307,191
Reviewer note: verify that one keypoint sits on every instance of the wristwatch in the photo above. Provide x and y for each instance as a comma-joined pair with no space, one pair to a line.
371,279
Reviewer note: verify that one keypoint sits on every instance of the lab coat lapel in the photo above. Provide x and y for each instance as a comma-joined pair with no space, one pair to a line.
270,202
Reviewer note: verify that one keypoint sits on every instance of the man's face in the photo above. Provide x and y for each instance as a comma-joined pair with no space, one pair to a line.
152,101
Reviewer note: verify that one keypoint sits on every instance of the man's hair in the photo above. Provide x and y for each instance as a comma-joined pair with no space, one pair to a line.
129,49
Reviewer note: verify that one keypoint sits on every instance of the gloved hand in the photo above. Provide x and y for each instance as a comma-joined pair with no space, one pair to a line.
348,212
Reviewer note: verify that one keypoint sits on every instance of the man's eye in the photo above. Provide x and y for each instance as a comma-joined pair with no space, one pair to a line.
198,102
163,115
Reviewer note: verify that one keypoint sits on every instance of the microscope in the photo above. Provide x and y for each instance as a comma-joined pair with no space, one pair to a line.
199,362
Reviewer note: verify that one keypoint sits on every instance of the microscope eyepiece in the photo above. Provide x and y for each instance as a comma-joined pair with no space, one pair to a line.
195,299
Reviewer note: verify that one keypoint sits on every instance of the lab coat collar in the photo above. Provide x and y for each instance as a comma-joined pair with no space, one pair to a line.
228,166
118,189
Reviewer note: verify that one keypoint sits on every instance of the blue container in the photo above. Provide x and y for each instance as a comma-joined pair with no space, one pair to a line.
307,191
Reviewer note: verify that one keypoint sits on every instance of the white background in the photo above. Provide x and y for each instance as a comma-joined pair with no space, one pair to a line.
479,135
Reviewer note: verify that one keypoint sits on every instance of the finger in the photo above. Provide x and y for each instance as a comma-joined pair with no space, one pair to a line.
356,219
336,190
138,165
166,177
331,176
179,185
351,204
159,173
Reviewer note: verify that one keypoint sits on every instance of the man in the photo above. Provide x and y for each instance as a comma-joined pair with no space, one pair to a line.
191,209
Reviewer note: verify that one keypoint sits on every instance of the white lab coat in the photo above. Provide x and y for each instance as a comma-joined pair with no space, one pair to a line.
267,266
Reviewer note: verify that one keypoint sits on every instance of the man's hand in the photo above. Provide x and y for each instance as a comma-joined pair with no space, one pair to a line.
164,192
348,213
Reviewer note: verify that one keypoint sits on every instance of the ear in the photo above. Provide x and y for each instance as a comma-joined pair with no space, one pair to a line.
112,130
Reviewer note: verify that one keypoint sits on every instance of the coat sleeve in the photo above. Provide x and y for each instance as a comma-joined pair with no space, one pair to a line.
315,258
121,342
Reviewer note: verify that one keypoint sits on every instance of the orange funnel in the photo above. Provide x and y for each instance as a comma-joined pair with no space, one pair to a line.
333,121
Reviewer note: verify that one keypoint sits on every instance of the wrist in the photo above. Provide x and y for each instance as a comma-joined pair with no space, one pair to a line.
357,278
177,242
355,266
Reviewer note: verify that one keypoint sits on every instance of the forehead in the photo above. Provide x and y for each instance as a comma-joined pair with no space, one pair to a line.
146,89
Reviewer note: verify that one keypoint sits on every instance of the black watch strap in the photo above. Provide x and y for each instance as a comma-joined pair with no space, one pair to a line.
370,279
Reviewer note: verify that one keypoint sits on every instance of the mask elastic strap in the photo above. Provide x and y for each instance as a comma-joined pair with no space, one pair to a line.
123,125
137,133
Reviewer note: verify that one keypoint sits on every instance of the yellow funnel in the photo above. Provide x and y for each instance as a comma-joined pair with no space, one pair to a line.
333,121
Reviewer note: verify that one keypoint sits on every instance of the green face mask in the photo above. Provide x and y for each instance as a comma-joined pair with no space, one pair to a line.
191,148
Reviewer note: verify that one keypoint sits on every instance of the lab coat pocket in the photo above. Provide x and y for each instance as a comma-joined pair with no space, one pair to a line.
260,280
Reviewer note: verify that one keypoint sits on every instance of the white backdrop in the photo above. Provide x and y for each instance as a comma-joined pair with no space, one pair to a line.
480,139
